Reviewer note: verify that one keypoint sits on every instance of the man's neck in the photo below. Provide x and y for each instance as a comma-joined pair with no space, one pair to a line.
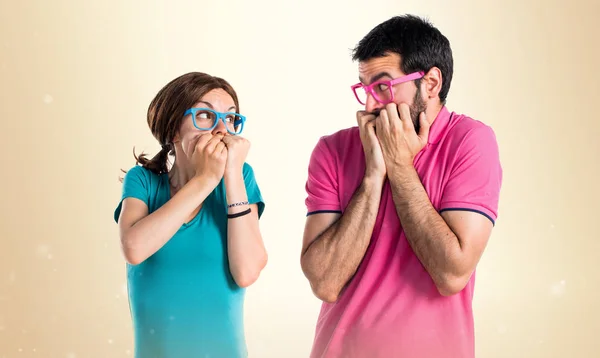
432,111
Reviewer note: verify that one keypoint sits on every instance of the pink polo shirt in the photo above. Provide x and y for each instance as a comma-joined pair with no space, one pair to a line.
391,307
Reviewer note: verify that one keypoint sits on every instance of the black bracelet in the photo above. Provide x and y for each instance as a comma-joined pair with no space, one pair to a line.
237,215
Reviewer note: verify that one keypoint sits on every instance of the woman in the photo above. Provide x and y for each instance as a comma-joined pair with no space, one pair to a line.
190,233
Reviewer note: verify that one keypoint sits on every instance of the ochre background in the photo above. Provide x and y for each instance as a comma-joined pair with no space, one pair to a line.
76,78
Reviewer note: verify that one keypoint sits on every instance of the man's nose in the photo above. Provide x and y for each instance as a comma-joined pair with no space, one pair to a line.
372,105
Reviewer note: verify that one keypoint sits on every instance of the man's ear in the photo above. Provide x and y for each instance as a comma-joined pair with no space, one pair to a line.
432,83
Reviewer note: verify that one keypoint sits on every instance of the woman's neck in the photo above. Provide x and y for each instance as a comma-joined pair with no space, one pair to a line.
179,175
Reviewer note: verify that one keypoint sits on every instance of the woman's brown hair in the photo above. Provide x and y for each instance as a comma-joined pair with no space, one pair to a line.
166,110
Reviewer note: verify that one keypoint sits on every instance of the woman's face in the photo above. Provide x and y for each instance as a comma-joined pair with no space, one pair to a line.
217,100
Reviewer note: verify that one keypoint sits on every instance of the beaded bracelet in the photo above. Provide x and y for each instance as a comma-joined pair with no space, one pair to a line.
237,204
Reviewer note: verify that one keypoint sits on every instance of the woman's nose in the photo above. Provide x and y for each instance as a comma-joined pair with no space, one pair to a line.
220,128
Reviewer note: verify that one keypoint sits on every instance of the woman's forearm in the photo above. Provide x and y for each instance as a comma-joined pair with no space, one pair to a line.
247,254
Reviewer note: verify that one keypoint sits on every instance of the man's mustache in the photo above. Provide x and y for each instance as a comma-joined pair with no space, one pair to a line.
375,112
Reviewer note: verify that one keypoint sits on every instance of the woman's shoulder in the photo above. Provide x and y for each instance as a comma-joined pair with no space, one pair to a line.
138,173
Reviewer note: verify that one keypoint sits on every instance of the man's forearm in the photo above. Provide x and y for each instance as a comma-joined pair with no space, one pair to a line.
434,243
332,259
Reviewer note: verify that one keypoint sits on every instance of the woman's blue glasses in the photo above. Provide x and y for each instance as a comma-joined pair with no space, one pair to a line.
206,119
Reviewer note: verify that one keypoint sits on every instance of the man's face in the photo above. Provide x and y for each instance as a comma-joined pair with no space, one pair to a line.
388,68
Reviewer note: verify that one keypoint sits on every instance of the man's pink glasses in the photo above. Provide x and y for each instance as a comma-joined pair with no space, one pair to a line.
382,90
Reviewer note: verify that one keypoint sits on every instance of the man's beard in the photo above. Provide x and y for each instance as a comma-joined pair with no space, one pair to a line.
416,108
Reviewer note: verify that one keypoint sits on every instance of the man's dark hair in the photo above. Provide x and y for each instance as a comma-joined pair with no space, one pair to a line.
420,45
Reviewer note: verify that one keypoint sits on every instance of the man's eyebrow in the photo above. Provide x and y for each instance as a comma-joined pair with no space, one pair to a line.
378,76
232,107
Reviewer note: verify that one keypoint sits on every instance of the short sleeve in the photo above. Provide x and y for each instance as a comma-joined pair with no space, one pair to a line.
322,184
136,184
476,177
252,189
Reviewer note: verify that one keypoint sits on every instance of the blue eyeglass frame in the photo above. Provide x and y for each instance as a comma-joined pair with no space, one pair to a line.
221,116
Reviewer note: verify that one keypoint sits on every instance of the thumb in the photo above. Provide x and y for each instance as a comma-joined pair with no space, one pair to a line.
425,126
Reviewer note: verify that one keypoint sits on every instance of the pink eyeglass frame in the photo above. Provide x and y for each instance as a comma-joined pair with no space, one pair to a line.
369,88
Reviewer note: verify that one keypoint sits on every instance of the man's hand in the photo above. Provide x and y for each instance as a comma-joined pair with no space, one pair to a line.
399,141
375,164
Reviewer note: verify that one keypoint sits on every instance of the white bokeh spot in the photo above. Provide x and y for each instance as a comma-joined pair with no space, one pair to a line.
43,250
47,99
559,288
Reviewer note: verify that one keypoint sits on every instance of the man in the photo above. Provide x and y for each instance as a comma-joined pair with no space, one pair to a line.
401,207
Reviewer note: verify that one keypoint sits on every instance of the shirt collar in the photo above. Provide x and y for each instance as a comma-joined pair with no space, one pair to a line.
438,128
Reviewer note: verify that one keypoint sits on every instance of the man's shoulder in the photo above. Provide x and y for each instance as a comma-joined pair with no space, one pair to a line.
463,123
341,139
464,127
340,150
